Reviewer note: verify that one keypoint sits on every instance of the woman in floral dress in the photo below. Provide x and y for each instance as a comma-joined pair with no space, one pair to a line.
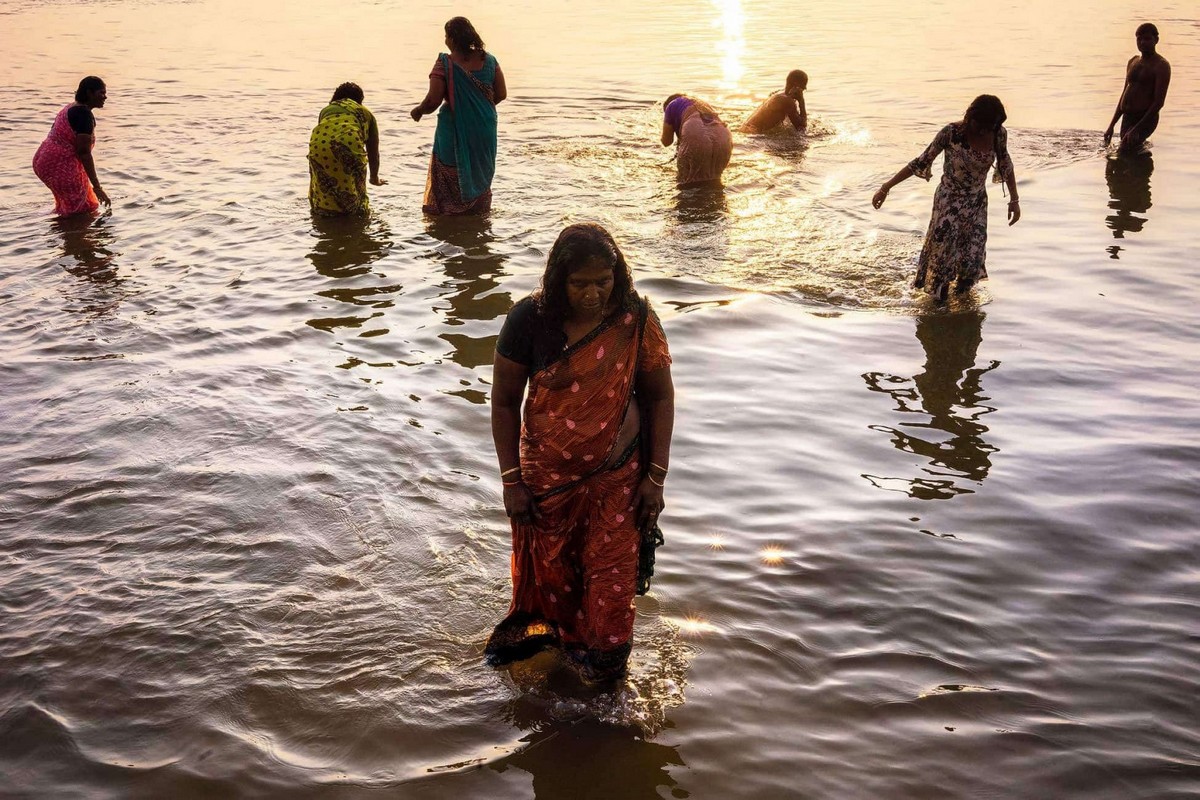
956,242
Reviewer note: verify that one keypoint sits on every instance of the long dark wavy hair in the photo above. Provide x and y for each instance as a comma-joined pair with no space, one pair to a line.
987,110
463,36
575,247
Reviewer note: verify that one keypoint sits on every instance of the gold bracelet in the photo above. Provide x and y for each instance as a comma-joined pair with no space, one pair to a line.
659,466
656,483
510,483
508,472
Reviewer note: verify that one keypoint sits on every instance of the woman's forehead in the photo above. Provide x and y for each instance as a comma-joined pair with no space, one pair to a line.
595,268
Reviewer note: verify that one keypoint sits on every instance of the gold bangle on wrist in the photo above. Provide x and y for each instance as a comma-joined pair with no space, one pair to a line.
656,483
508,472
659,466
510,483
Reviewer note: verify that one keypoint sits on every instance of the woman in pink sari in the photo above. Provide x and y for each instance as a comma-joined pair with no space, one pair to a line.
584,459
64,161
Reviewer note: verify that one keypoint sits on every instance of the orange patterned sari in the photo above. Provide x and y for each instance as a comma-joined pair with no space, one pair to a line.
574,570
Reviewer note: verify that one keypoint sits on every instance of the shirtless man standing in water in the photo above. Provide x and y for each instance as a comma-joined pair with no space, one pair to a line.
788,104
1146,79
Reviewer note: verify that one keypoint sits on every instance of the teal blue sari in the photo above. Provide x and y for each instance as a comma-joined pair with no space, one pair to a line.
464,145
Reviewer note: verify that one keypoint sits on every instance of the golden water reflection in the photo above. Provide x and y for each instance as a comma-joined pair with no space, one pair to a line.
732,47
772,555
691,625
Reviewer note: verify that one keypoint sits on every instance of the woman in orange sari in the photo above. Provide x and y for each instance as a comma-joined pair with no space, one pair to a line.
584,462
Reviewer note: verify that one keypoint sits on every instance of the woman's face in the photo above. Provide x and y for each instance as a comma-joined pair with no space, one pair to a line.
979,127
96,97
589,288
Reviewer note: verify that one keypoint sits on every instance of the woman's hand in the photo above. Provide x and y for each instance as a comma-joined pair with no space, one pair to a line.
1108,134
519,504
416,113
649,503
1014,211
879,197
377,181
102,196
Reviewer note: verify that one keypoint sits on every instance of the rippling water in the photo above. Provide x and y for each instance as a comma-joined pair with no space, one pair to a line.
251,539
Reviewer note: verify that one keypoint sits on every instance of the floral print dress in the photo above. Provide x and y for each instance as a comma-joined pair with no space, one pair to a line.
956,242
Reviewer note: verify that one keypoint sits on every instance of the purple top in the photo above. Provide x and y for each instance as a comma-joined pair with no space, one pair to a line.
673,115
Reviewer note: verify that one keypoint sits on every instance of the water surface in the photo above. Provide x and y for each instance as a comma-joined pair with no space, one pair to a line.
251,537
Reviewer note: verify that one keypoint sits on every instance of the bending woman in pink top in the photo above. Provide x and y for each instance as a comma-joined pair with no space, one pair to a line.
64,161
705,143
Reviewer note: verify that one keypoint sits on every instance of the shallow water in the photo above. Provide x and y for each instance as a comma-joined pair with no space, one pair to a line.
251,539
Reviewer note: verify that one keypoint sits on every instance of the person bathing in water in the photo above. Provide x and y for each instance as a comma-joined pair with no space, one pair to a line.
788,104
956,240
1147,76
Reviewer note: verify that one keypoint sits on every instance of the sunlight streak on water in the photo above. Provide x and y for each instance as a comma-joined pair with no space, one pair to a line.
732,47
691,625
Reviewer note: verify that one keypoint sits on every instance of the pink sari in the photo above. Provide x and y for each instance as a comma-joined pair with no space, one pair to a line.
60,168
575,569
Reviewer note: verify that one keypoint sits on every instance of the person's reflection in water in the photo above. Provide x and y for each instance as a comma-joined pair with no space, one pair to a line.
88,254
347,246
473,271
950,392
700,228
344,248
1129,192
701,204
592,759
87,244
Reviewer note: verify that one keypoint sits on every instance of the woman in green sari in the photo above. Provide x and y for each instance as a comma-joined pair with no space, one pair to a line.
343,147
470,82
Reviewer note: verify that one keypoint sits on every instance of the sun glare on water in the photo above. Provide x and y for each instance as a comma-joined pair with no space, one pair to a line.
772,555
732,46
691,625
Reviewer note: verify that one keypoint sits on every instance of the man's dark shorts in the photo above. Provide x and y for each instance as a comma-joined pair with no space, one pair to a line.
1128,120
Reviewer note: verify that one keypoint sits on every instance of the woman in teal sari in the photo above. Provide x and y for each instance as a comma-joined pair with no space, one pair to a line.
470,82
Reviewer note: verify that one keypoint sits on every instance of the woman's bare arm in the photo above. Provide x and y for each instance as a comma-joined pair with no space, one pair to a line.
499,88
668,134
656,393
373,156
433,99
83,149
904,174
508,388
